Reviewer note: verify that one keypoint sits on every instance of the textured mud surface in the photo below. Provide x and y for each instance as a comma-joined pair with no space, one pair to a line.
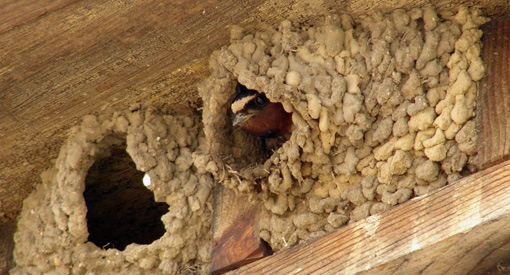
383,108
52,231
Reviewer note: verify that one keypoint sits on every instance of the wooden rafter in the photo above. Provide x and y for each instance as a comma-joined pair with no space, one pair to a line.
454,230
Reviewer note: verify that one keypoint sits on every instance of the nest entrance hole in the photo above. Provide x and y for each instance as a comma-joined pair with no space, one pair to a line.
248,149
121,210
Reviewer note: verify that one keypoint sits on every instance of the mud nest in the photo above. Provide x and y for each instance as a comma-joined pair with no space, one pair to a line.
384,111
53,233
383,107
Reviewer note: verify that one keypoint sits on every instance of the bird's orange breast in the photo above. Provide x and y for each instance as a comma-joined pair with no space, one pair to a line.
271,122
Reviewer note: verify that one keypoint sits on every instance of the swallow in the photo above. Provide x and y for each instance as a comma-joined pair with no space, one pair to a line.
258,116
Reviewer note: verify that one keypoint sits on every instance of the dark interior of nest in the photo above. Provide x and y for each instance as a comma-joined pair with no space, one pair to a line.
121,210
249,149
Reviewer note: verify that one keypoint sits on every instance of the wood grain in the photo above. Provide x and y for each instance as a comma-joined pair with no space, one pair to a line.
449,231
493,116
16,13
236,239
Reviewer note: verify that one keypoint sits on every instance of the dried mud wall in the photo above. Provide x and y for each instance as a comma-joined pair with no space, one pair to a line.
52,230
383,108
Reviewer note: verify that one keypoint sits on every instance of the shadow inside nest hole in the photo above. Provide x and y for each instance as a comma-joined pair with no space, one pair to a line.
121,210
259,126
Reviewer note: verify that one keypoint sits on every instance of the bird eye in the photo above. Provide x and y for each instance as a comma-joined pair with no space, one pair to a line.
261,100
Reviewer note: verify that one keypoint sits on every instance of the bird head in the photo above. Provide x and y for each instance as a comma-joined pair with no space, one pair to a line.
247,104
258,116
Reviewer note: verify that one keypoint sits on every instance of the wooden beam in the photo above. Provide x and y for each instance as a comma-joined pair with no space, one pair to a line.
493,117
236,239
449,231
16,13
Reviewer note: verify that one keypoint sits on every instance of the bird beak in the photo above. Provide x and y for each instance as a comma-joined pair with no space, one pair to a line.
240,119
